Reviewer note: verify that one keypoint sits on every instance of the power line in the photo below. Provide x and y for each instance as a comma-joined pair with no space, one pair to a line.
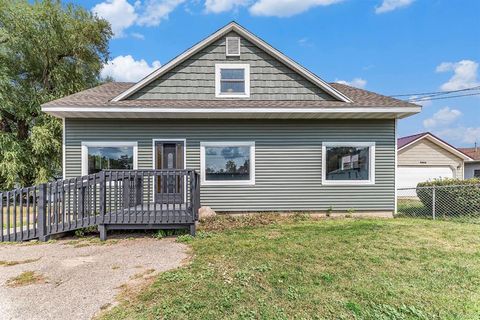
441,98
435,92
442,94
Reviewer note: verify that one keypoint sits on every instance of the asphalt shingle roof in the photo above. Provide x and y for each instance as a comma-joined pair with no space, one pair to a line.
102,95
473,153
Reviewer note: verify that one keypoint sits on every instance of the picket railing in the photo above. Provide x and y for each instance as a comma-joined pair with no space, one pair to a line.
159,197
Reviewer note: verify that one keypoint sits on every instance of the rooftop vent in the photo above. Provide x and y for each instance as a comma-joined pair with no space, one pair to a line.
233,46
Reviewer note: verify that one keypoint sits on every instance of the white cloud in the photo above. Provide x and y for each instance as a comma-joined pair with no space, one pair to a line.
137,35
390,5
463,135
424,102
126,68
442,117
218,6
154,11
357,82
119,13
122,15
286,8
465,74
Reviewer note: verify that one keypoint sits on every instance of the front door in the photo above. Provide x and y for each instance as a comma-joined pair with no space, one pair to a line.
169,156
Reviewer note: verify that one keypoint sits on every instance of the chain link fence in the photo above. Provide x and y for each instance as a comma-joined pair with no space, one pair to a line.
453,202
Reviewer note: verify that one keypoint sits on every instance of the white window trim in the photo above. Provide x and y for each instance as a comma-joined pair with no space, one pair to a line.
371,164
87,144
219,67
250,144
226,47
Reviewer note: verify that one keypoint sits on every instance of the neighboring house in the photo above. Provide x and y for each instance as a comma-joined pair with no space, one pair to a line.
472,168
264,133
423,157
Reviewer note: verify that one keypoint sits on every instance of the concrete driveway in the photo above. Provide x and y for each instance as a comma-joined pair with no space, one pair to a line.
76,279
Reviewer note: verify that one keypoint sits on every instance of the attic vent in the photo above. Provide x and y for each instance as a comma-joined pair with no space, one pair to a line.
233,47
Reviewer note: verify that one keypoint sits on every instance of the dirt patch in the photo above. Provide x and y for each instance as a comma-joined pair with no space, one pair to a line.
232,221
87,274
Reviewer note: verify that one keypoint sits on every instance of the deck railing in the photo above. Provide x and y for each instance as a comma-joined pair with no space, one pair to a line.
109,197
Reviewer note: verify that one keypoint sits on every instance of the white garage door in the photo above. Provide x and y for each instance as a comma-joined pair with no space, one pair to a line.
408,177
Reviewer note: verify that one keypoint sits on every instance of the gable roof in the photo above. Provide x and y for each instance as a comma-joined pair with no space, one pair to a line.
404,142
233,26
473,153
401,142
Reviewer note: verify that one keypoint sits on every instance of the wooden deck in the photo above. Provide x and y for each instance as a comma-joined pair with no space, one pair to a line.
121,199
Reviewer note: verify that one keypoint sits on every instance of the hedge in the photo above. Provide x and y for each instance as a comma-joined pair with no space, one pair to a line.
452,196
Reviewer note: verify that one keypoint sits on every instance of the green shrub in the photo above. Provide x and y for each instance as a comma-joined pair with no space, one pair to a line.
80,233
452,196
160,234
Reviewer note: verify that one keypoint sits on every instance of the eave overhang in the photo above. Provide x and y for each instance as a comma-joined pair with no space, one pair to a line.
232,113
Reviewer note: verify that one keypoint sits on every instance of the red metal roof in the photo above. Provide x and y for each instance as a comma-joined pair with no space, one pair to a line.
401,142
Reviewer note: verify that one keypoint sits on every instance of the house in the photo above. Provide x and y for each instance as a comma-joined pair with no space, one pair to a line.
265,133
472,167
424,156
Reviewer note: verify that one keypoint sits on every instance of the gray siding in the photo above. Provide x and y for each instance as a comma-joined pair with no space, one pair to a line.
470,169
195,78
288,158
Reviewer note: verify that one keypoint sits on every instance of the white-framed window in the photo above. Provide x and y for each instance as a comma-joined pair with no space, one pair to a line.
227,163
348,163
232,80
104,155
476,173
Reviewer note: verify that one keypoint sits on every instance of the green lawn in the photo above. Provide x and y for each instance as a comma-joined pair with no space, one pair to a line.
324,269
414,208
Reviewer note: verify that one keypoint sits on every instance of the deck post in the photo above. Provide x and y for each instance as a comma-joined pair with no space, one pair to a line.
42,213
103,232
102,196
193,229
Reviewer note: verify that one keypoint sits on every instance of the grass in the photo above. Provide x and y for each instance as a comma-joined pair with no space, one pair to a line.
16,262
20,217
297,268
25,278
412,207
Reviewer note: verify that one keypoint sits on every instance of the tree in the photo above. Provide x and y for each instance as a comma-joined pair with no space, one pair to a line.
231,166
47,50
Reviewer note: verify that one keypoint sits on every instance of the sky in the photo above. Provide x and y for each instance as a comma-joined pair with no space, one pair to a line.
392,47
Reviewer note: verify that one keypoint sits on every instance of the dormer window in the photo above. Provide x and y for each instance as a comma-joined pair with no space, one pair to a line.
232,80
